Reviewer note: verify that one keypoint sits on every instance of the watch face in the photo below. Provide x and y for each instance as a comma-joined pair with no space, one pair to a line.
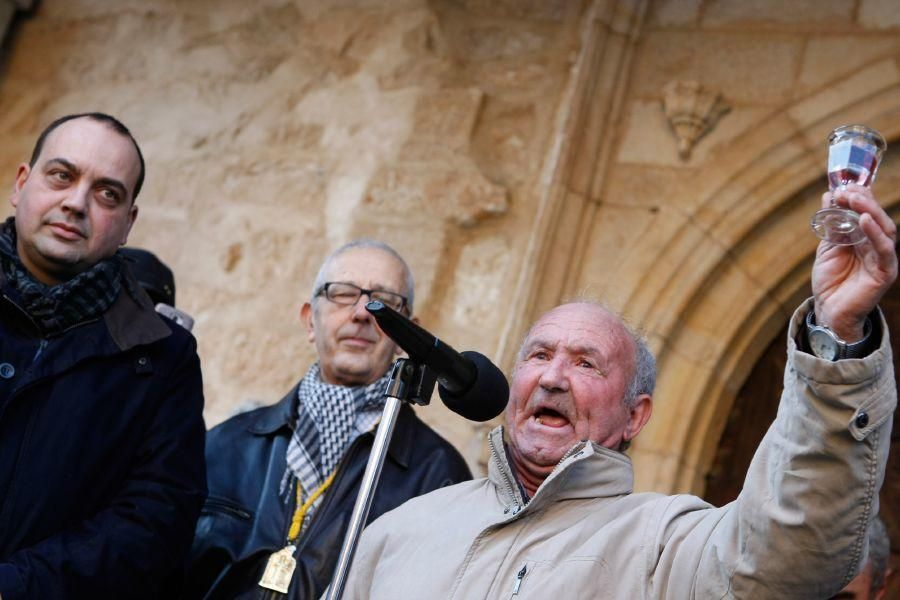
822,344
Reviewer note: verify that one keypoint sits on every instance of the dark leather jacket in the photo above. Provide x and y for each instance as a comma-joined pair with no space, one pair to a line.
245,518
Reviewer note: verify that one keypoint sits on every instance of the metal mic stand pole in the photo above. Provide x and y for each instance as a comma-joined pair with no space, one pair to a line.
409,382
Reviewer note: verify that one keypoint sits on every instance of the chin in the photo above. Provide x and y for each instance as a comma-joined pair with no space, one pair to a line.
545,456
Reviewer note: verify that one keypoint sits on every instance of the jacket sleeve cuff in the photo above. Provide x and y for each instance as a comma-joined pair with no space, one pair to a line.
865,386
11,585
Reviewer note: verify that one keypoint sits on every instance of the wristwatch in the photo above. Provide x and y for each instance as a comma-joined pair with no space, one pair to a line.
825,343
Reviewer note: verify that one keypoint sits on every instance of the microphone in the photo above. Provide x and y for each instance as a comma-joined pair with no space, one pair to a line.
469,384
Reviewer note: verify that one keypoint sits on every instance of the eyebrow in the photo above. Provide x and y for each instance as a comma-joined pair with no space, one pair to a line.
581,349
107,181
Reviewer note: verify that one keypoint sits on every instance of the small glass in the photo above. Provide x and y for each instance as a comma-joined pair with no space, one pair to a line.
854,153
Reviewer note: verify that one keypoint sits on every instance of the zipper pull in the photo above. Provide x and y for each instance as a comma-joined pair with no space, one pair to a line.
519,577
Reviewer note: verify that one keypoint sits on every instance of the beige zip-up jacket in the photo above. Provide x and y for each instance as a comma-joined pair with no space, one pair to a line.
797,530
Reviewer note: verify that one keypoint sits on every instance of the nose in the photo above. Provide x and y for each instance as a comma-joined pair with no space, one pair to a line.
359,309
76,200
554,377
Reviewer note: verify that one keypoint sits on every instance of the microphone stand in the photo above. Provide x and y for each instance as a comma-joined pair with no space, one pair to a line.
409,382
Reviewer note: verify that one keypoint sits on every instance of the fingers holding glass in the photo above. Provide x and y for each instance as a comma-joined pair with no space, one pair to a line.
854,153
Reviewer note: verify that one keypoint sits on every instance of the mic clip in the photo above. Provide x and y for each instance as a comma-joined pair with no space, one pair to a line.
411,381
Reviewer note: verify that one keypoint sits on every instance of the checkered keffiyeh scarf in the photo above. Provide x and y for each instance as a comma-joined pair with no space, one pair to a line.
327,417
56,308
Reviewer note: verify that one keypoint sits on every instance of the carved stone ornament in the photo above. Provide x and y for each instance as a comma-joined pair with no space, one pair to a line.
692,111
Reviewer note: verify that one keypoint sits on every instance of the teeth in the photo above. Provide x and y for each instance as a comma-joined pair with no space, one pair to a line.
538,419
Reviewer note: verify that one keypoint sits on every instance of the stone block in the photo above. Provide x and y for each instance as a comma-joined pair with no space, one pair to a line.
807,14
625,244
879,14
757,193
461,194
447,117
475,293
856,87
420,239
674,13
753,67
829,59
644,186
550,10
506,143
501,41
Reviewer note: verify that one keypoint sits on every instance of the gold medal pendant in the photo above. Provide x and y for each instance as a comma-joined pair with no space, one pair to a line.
279,570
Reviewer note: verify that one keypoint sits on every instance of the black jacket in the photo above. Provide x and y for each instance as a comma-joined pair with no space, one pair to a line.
245,519
101,453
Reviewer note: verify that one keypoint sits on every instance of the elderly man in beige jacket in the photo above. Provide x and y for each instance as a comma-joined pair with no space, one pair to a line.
556,518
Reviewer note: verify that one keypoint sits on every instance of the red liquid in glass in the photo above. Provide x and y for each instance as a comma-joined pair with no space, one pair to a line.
853,164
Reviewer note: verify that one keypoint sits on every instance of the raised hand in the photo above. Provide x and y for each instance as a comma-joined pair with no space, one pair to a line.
849,281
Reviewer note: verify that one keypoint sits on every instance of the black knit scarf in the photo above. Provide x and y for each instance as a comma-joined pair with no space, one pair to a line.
56,308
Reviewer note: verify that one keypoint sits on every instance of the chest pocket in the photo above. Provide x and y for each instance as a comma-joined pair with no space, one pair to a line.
574,578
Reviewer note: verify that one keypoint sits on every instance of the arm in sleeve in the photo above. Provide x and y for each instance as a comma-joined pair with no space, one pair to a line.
798,527
134,547
445,467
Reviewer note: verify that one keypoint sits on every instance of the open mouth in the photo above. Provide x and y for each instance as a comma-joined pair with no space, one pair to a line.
549,417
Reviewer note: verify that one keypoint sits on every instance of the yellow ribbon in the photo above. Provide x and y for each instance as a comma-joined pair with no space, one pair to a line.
303,507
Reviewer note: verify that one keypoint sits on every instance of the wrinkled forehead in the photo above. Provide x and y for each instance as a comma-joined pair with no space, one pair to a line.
582,327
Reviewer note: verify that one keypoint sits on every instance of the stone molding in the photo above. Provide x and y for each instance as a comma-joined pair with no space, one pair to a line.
574,168
692,110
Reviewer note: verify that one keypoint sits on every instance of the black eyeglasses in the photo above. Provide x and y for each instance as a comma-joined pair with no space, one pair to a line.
348,294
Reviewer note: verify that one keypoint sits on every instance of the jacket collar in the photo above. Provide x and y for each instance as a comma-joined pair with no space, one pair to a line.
280,417
586,471
131,320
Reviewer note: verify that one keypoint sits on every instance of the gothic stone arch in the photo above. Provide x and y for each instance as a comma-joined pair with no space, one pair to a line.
719,291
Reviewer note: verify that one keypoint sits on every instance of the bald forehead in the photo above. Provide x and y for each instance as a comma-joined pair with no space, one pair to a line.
583,326
586,313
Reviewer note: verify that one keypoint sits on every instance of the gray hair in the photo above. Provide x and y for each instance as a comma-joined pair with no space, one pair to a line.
365,243
643,381
879,550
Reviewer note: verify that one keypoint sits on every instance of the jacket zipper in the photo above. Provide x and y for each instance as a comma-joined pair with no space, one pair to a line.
227,507
509,485
519,577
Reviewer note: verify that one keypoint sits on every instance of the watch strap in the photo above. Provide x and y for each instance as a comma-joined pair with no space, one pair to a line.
857,349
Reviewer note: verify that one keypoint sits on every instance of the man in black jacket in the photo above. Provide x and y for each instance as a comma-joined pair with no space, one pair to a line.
283,479
101,427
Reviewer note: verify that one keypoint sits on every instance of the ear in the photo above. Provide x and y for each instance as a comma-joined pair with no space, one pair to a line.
640,414
306,317
132,217
21,177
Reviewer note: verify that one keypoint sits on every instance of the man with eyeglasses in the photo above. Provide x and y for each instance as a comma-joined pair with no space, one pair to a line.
283,479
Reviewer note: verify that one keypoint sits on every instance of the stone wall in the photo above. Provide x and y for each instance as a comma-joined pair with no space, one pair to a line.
277,130
518,152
